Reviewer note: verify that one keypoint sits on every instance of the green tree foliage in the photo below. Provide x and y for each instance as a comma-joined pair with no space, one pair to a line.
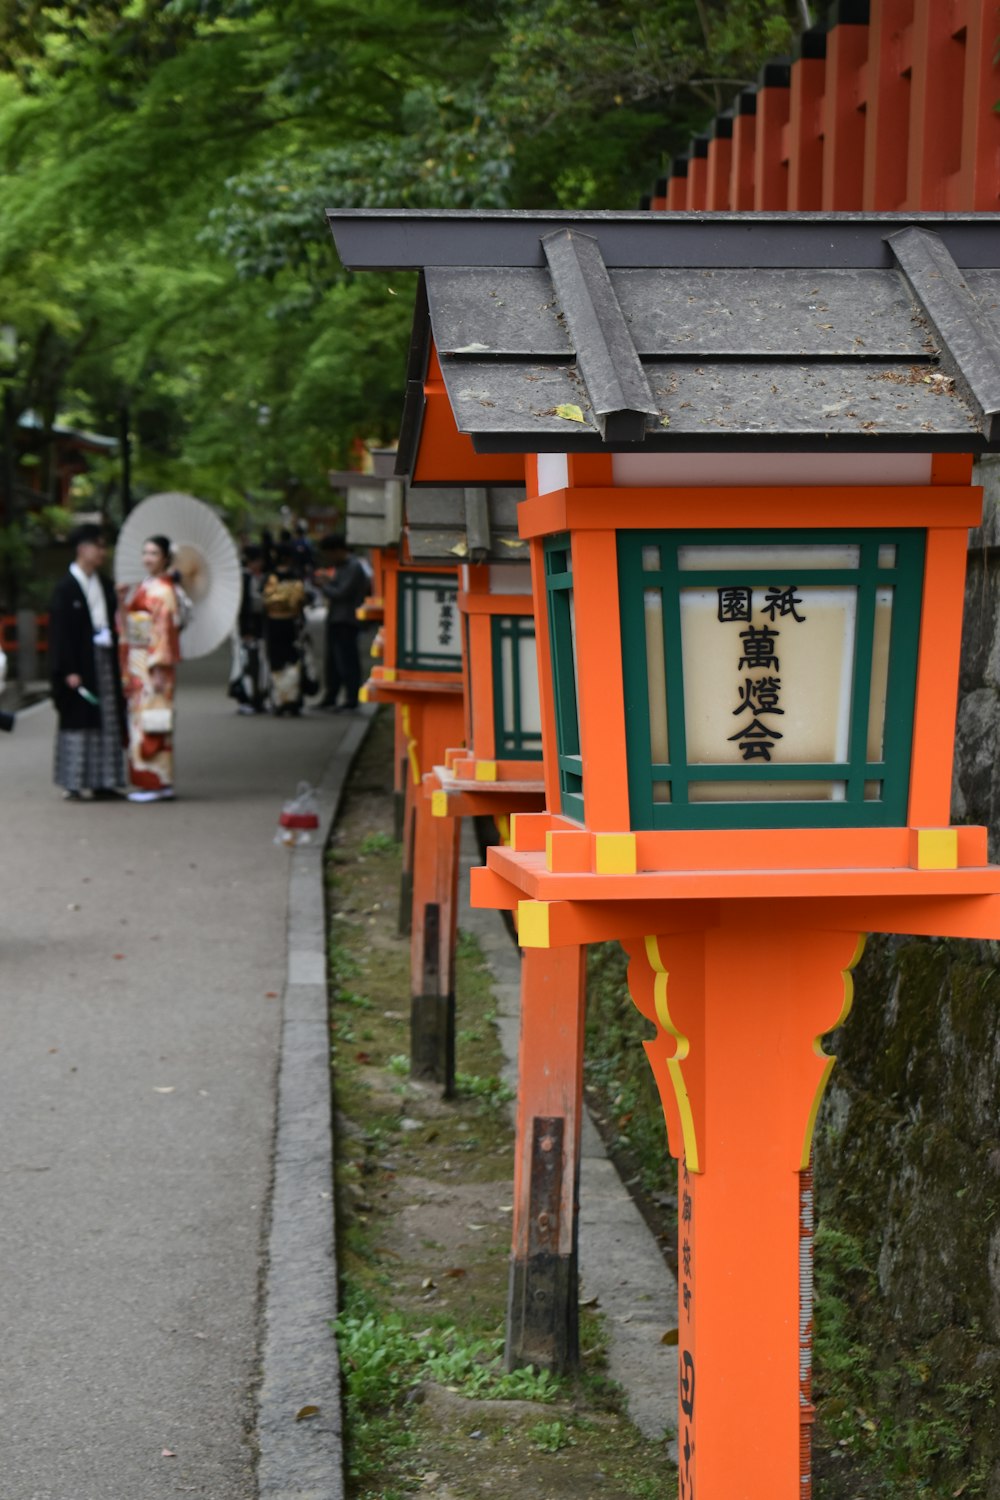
598,92
165,167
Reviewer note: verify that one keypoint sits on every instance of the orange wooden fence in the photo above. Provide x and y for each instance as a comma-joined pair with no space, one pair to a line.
889,106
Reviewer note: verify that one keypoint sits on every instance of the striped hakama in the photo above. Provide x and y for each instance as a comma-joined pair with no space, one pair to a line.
88,759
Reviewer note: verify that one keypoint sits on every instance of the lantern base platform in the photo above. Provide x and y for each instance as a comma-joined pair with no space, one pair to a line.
554,909
465,765
400,689
530,875
571,849
457,797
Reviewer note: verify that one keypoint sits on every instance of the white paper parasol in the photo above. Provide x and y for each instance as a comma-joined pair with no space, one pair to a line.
204,554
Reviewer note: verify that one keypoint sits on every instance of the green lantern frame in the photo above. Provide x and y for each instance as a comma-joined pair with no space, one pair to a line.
660,792
412,654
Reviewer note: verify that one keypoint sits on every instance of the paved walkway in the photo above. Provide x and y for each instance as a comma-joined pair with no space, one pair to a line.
145,954
142,960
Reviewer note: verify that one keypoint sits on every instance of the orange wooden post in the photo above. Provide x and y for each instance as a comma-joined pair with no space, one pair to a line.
432,947
887,118
736,1056
979,185
408,793
720,162
843,117
739,1010
542,1311
805,126
429,717
938,73
771,184
697,192
677,188
741,190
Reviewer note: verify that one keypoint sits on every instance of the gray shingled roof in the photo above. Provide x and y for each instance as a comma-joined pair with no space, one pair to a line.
694,331
441,525
470,525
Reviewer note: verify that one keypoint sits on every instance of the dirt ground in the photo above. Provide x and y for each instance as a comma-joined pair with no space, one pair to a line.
424,1221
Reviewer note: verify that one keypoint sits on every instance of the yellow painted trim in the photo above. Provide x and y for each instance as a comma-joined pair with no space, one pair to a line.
388,674
362,695
548,850
830,1062
937,848
411,744
439,804
503,822
533,924
615,853
674,1064
486,770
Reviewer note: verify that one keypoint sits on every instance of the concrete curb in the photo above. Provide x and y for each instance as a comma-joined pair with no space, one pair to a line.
304,1460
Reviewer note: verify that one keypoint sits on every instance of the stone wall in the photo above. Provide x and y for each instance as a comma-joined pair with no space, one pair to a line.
908,1154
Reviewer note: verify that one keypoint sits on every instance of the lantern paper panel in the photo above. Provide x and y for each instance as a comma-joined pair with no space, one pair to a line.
429,634
766,672
517,709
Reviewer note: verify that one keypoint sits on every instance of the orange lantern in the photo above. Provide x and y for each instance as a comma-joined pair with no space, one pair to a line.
747,446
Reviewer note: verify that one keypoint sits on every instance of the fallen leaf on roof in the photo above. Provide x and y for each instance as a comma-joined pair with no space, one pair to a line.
569,412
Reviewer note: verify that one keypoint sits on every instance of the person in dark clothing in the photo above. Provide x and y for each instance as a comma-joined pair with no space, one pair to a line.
249,680
86,683
284,597
302,549
345,590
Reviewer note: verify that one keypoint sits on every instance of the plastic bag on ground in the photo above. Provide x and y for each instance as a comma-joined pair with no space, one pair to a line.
299,817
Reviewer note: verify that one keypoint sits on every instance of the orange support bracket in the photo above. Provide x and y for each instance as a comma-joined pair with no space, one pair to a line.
739,1011
740,993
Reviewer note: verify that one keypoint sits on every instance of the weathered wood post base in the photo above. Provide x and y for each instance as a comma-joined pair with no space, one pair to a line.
432,1041
739,1010
432,946
543,1296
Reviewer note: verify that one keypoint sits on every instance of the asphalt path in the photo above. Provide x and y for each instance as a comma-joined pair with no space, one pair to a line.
142,961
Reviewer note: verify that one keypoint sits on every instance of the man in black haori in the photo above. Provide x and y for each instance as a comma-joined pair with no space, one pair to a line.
86,683
345,590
